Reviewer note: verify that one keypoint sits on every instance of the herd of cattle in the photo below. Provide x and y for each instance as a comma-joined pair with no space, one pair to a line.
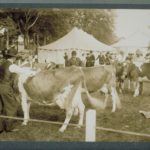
64,86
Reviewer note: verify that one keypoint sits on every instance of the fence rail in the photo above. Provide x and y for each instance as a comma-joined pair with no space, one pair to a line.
74,125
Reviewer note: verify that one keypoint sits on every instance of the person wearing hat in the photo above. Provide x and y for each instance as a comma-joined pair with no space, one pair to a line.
74,60
91,59
87,64
101,58
66,59
8,102
108,58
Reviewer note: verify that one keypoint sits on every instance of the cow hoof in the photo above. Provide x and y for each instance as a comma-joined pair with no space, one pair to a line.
113,111
135,96
24,123
78,126
61,130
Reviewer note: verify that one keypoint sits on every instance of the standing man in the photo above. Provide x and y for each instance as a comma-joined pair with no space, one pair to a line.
8,103
108,58
92,59
101,58
83,59
74,60
87,64
66,59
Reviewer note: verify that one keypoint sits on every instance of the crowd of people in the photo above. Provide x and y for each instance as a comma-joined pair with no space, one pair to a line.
87,60
104,58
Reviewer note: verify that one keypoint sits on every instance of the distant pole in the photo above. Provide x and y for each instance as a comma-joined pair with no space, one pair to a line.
90,126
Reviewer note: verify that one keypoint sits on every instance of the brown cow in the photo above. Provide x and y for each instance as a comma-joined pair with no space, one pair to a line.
103,78
60,87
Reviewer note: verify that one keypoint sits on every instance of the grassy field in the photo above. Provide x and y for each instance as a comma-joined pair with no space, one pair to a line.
128,119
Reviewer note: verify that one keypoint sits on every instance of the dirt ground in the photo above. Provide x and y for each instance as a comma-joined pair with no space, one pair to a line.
128,119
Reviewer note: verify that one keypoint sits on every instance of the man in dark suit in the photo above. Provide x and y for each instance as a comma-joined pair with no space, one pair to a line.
74,60
8,102
92,59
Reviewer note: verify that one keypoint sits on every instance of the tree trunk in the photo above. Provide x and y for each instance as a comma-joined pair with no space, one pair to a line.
26,40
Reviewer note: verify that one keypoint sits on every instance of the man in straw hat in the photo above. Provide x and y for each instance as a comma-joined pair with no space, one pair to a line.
8,103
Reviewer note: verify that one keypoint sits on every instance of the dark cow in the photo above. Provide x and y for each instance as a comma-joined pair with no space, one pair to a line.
119,66
136,73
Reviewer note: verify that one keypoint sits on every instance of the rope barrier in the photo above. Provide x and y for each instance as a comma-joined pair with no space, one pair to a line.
72,124
123,132
36,120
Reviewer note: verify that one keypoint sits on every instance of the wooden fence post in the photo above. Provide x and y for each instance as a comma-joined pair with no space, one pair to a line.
90,134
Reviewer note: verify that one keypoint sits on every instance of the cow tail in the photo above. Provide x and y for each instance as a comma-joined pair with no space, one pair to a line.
95,102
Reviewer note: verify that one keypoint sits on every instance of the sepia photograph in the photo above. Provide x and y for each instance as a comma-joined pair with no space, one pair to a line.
74,75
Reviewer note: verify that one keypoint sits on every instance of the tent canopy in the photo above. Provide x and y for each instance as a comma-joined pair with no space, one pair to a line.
79,40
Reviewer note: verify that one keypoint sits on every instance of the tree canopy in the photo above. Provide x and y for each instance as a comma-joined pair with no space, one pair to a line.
51,24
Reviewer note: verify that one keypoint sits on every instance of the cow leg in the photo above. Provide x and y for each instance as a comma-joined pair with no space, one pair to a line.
134,85
67,119
81,108
70,106
25,108
129,84
113,94
79,103
106,99
136,92
140,88
121,86
76,111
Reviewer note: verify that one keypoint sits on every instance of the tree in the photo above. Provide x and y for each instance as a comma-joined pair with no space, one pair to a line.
51,24
54,23
24,19
10,30
98,22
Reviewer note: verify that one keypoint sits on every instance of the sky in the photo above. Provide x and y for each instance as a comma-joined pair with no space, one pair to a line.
130,21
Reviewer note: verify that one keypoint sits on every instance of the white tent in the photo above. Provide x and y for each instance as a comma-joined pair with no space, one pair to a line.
77,40
139,40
